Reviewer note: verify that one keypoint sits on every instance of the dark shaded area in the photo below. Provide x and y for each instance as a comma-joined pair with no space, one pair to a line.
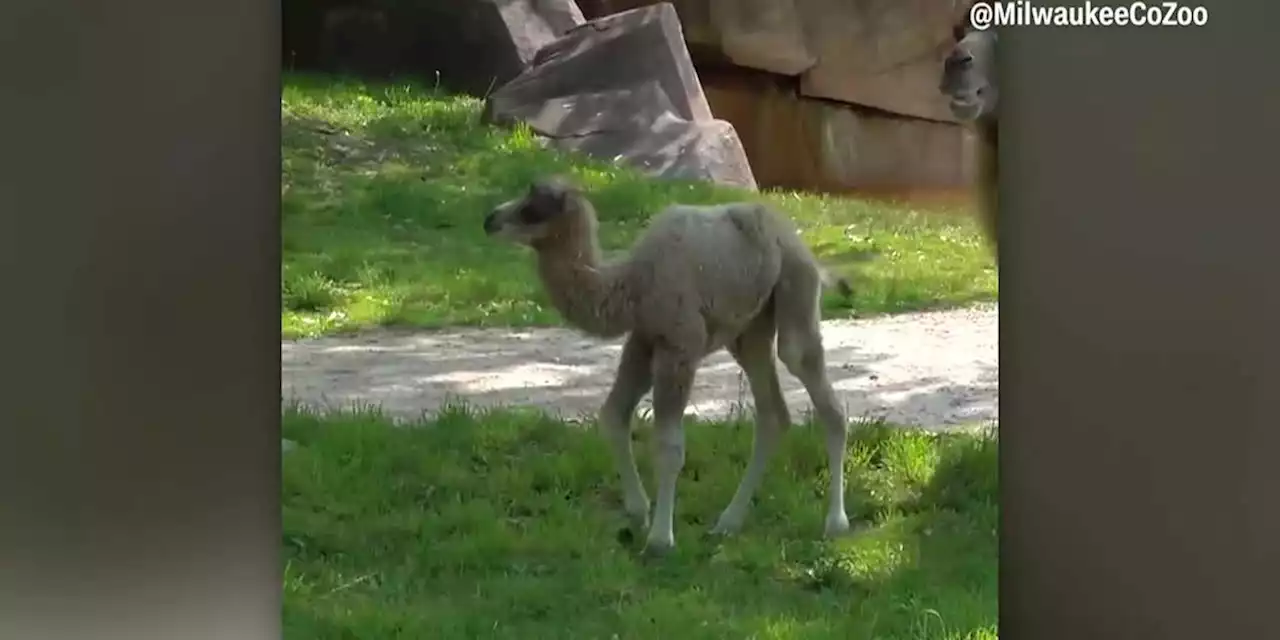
459,45
1139,495
139,240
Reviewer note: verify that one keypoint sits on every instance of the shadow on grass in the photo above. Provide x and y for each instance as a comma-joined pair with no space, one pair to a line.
385,186
504,525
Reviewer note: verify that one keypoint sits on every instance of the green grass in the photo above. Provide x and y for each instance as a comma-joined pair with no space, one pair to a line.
384,188
505,525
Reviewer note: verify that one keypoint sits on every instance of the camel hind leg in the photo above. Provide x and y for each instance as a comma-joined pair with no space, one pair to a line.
798,319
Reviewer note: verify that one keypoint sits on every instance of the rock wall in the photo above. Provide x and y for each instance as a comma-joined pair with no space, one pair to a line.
801,143
831,95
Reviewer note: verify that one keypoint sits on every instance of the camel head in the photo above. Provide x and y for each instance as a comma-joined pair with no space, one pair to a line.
969,74
552,207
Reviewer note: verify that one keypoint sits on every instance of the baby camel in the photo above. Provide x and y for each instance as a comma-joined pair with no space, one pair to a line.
700,279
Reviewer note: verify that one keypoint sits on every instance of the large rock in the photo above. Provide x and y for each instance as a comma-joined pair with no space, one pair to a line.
879,53
533,24
618,51
671,147
623,89
875,152
763,34
830,95
759,34
802,143
883,54
478,45
594,9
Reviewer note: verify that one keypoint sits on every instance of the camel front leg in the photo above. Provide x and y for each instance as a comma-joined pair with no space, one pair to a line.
633,380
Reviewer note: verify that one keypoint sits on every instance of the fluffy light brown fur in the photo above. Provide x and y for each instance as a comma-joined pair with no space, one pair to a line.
735,276
969,81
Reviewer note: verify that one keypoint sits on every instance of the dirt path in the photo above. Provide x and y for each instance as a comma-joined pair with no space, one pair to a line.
933,370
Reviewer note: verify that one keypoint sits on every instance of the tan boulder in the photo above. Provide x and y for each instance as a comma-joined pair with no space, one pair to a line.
623,89
763,34
884,54
831,95
795,142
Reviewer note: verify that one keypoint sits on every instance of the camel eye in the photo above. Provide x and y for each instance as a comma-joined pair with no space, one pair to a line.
532,213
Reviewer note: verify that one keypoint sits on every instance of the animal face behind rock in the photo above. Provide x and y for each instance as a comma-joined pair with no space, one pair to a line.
534,217
969,74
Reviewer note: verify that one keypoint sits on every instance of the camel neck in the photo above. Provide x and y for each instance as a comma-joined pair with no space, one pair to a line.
587,292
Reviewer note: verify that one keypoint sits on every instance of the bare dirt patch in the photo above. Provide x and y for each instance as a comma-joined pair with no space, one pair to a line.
935,370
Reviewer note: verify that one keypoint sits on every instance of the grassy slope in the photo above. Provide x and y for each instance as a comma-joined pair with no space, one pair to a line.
384,188
505,526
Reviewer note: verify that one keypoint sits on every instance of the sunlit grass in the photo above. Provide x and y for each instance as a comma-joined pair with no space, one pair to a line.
504,525
384,188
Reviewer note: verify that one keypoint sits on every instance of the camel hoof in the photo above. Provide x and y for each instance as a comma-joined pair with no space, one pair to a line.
725,530
720,533
654,550
837,527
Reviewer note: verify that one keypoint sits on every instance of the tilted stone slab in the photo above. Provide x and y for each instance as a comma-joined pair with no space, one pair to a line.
622,89
674,148
618,51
